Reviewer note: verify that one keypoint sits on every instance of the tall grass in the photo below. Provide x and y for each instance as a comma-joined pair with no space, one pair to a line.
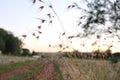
68,69
5,59
81,69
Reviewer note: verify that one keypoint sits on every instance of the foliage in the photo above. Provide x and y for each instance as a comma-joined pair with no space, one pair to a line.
107,56
2,44
3,34
9,43
25,52
113,60
101,13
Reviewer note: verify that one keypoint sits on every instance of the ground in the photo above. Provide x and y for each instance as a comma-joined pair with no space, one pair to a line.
61,68
46,73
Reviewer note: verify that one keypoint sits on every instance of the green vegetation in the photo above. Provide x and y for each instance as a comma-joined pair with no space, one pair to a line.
12,66
99,13
66,69
26,52
28,74
9,44
58,71
113,59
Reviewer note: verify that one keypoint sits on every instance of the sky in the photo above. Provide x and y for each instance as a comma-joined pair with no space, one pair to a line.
21,18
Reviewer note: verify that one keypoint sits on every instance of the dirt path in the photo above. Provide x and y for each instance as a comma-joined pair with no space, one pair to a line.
6,75
48,72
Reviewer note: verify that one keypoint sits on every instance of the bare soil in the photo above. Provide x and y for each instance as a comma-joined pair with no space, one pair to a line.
47,72
6,75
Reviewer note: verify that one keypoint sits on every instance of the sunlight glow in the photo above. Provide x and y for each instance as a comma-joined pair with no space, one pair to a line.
22,19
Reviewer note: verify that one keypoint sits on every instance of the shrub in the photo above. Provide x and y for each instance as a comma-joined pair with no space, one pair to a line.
113,59
25,52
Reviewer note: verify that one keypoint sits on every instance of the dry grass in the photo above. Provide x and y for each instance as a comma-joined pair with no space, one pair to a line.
78,69
4,59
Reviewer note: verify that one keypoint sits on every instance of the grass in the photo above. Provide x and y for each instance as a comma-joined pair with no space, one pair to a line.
80,69
12,66
9,62
28,74
58,71
5,59
68,69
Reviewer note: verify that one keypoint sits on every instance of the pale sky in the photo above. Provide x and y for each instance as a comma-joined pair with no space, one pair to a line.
20,17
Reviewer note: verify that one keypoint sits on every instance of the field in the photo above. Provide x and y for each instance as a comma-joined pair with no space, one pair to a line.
57,68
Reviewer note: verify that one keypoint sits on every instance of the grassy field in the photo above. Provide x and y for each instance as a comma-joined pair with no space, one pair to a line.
77,69
64,68
4,59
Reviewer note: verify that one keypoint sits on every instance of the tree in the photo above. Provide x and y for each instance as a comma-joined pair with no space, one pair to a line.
9,43
103,18
2,44
3,34
25,52
99,13
13,44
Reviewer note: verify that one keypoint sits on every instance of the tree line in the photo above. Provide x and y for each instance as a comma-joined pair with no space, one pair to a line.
9,44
